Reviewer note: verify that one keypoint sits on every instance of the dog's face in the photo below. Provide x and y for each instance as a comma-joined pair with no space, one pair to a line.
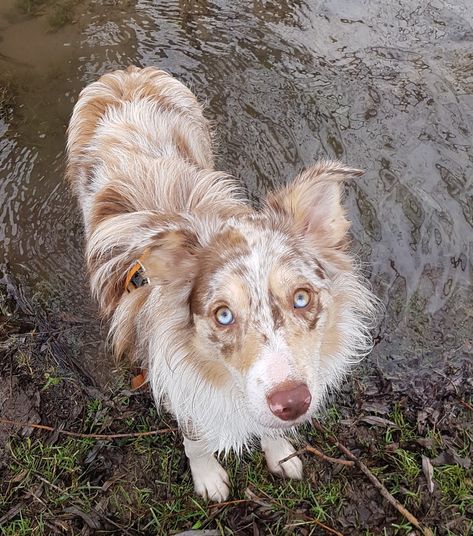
259,308
269,298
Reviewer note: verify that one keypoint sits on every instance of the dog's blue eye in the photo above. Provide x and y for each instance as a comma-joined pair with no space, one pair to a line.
224,316
301,299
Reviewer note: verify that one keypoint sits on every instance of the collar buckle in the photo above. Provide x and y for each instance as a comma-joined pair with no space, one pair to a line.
136,277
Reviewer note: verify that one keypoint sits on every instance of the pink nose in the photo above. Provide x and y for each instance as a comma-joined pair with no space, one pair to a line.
289,400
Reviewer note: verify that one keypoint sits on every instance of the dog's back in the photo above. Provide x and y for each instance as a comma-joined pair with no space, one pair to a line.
139,151
124,125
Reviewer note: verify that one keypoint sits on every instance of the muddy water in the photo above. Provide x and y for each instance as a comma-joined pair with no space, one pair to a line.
387,87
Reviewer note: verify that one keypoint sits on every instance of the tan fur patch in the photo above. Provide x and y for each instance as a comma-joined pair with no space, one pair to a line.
224,249
108,202
213,372
313,204
172,256
89,118
249,352
182,145
331,341
124,340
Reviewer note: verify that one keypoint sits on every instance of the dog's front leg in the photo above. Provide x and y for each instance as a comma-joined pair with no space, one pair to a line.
210,478
276,450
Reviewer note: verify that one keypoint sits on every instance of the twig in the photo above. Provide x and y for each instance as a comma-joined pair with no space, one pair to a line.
376,483
57,488
319,454
466,405
318,523
11,513
87,436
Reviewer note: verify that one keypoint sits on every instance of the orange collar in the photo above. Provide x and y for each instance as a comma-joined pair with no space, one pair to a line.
136,278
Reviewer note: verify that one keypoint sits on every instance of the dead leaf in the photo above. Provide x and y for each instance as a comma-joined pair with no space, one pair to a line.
428,473
91,519
378,421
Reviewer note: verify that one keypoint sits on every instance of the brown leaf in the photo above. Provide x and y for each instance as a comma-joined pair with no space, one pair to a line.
428,473
378,421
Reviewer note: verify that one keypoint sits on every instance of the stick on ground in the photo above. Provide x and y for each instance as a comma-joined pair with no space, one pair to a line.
376,483
87,436
319,454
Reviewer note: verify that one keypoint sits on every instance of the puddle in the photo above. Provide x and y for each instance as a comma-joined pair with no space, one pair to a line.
387,88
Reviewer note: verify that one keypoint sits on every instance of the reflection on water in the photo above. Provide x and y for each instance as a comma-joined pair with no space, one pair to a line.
387,88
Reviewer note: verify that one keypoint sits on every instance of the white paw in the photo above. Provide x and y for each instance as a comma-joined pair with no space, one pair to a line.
210,479
278,449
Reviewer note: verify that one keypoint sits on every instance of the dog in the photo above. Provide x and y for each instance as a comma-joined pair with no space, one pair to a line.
243,318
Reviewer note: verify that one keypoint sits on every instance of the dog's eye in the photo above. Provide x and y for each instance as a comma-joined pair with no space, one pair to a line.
224,316
301,298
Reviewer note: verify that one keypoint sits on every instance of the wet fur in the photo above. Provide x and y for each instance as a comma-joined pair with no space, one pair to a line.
140,162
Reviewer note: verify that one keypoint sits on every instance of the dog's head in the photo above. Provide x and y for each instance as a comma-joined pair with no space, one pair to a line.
266,303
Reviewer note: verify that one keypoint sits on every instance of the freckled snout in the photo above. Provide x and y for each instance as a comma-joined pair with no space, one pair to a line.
289,401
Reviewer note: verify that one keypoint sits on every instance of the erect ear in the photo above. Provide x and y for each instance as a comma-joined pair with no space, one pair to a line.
313,203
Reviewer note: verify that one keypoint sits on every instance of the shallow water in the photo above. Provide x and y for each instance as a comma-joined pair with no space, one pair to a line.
387,88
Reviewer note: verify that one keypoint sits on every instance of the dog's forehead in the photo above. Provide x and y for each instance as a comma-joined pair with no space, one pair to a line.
257,247
246,261
263,257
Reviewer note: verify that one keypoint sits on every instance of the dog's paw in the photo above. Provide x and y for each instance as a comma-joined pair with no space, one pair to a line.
210,479
276,450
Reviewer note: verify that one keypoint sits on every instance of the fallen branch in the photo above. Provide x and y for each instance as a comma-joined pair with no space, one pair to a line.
319,454
376,483
86,436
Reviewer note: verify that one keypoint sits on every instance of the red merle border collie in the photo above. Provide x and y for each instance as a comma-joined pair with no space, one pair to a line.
242,318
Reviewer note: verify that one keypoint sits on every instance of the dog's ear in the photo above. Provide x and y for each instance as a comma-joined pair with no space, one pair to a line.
312,203
165,245
171,259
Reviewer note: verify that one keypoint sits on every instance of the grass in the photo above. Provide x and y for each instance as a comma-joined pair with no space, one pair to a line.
22,527
158,505
407,464
23,360
50,380
148,490
456,485
406,431
57,464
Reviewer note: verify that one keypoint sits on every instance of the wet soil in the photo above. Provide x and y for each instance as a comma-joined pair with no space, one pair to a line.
387,88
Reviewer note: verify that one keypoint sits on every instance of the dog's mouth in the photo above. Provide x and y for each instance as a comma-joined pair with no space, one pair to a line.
279,424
